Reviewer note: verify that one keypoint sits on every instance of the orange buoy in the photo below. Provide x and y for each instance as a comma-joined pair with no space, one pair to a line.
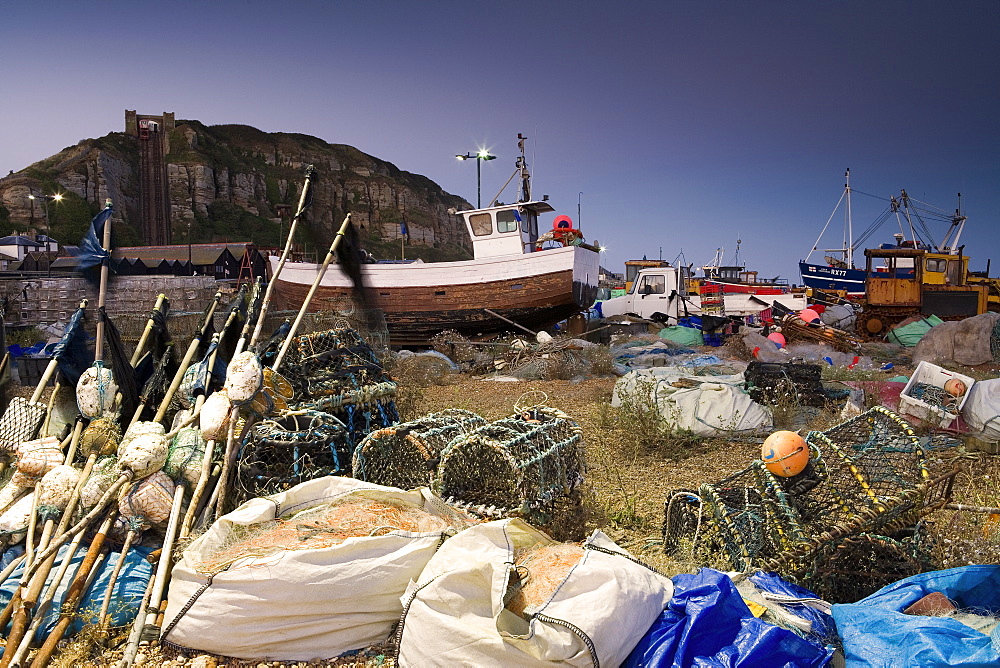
955,387
778,338
785,453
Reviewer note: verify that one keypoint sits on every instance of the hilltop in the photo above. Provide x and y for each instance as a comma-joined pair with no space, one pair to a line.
230,183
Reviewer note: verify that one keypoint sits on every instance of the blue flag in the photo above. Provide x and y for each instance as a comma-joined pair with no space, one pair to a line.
92,253
71,352
404,230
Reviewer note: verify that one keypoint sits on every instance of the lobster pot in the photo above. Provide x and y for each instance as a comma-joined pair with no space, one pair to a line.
774,382
20,422
36,458
281,453
850,518
752,514
337,372
329,587
405,455
476,603
14,521
521,465
185,457
148,502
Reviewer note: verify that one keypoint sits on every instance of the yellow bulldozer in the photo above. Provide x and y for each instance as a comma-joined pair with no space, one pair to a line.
915,281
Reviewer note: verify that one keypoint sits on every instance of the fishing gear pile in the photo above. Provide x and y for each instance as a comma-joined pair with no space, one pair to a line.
406,455
774,382
339,394
845,524
529,465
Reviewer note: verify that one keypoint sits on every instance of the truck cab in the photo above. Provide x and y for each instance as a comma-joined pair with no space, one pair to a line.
655,290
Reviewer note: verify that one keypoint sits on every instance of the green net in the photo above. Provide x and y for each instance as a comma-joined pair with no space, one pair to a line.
406,455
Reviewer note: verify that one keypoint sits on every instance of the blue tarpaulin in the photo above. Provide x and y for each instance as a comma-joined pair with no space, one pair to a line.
707,623
876,633
130,587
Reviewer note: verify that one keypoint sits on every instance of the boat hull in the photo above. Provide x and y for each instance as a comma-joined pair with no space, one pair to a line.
535,290
824,277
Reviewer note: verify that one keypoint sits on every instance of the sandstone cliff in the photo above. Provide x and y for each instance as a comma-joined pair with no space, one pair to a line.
234,182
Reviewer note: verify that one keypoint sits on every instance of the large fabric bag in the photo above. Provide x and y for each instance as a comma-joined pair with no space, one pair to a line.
299,604
455,614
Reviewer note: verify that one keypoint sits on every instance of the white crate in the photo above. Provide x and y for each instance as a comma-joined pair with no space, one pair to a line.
932,375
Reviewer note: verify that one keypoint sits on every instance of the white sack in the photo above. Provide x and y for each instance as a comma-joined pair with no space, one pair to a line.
300,605
717,405
455,615
982,409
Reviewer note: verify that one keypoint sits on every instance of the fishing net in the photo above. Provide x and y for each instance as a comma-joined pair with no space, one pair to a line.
528,465
282,452
538,571
339,313
406,455
775,383
337,372
866,476
320,527
20,422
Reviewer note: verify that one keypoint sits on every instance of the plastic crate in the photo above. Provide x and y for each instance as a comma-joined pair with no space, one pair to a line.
31,369
932,374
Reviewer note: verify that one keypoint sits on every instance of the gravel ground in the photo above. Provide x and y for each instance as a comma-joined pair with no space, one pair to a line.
627,483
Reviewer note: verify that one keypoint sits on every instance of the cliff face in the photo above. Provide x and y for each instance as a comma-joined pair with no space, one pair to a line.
235,182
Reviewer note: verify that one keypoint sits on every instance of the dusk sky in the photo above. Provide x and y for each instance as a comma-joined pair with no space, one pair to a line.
681,125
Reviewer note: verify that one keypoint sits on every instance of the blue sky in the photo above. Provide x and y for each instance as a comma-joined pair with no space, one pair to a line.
681,125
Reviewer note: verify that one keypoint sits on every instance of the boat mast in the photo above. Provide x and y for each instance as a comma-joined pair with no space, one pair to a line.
847,251
849,246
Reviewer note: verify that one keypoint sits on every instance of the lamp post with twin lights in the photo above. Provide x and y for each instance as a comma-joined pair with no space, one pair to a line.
48,226
479,156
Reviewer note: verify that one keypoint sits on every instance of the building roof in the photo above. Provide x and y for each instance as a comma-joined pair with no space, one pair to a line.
201,254
19,240
8,258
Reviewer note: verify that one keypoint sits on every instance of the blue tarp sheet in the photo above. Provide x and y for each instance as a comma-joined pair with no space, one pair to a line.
126,597
707,624
876,633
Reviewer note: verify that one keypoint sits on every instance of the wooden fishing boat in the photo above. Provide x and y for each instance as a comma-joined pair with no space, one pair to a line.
517,276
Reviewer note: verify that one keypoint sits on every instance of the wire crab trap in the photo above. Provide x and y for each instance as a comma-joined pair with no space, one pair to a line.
337,372
772,382
282,452
529,465
406,455
865,488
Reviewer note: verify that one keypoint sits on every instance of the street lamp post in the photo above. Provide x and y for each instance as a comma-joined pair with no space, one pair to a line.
48,226
480,155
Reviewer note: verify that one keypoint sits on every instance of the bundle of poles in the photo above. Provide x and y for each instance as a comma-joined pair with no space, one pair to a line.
114,468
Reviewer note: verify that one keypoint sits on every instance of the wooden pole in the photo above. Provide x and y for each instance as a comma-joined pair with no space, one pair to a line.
312,291
103,290
141,346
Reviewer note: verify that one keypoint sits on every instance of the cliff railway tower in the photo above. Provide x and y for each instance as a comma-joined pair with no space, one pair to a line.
154,204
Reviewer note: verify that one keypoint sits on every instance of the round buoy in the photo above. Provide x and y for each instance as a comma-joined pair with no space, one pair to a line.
777,338
955,387
785,453
809,315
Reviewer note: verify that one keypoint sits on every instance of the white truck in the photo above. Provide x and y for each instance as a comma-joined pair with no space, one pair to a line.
660,293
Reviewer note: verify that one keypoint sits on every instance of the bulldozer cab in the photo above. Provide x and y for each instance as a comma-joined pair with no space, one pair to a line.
895,276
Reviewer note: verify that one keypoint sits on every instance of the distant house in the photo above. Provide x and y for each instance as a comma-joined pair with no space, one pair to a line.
222,261
17,246
6,261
